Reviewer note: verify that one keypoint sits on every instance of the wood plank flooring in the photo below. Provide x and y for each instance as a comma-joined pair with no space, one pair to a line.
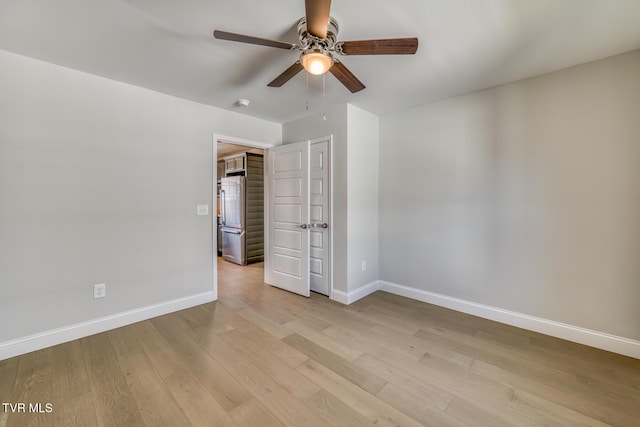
260,356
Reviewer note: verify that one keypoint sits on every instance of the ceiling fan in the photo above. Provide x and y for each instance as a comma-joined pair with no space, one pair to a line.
318,46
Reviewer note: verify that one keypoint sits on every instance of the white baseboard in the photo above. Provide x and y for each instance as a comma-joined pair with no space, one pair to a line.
604,341
84,329
353,296
613,343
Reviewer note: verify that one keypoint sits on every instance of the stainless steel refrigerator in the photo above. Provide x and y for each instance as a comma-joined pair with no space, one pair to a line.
233,219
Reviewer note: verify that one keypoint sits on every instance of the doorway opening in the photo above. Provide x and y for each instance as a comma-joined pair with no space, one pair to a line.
238,169
250,215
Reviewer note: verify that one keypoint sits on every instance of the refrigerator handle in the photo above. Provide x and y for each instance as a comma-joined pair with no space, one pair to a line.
223,220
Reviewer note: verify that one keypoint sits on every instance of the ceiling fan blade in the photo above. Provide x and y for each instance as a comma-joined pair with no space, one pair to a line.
317,13
402,46
346,77
234,37
287,75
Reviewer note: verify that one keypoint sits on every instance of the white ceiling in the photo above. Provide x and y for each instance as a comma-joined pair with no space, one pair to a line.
465,45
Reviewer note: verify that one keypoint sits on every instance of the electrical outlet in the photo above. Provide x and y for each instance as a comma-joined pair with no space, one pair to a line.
364,265
202,210
99,291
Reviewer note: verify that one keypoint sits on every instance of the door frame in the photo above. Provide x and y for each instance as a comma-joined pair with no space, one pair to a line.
265,146
214,220
329,140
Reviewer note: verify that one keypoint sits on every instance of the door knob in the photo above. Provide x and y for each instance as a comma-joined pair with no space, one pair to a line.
318,225
304,226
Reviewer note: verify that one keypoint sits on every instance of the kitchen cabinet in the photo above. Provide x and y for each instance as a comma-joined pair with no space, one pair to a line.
235,164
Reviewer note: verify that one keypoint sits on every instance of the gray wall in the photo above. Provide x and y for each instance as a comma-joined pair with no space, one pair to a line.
362,173
524,197
99,182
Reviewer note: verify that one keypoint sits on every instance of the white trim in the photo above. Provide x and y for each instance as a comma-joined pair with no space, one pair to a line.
331,216
601,340
241,141
214,215
353,296
84,329
339,296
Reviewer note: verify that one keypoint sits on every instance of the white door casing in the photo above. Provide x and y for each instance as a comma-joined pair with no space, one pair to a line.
287,265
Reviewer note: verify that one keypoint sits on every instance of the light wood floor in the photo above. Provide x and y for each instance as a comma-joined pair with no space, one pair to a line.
264,357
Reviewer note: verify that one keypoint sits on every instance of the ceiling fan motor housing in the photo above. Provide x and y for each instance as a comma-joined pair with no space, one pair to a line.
311,42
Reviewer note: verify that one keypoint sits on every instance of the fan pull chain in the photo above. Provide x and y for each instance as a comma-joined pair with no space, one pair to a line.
324,94
307,93
324,86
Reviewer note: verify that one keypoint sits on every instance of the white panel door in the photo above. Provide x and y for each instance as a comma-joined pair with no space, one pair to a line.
287,265
319,188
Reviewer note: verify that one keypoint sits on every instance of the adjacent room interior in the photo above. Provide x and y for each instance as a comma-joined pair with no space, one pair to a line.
300,213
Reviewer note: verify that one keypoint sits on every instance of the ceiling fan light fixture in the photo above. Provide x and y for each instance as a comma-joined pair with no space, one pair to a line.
318,43
316,62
